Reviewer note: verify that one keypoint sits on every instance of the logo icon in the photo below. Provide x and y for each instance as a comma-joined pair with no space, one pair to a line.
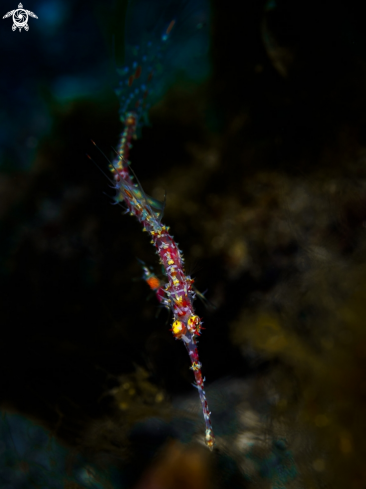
20,18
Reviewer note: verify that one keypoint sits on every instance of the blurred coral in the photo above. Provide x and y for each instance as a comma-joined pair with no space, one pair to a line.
177,467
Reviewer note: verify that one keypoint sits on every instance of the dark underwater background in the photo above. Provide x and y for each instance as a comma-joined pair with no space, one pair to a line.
263,161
